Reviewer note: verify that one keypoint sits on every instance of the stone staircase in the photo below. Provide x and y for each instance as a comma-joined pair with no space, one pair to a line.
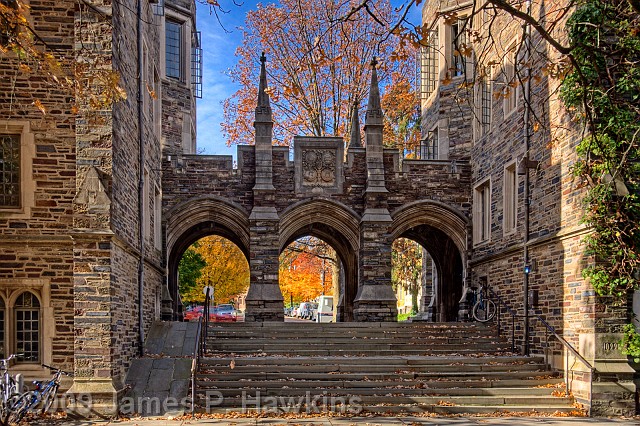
371,367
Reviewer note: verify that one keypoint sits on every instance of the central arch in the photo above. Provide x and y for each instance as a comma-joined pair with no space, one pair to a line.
338,226
197,218
442,232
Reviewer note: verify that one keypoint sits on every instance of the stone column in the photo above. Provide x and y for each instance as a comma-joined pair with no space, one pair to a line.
97,383
264,299
614,382
375,300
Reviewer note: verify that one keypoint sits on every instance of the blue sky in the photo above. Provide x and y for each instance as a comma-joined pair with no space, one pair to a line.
218,57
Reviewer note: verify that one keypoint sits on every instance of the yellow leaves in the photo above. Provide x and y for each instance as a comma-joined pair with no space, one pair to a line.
39,105
151,92
227,270
213,3
292,90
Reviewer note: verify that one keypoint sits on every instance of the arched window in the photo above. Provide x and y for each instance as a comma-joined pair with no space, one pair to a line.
27,311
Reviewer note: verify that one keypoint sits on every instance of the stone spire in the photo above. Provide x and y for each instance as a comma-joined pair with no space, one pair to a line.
264,134
373,137
374,109
355,140
263,109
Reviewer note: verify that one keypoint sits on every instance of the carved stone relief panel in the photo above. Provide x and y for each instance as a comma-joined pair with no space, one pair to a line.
319,164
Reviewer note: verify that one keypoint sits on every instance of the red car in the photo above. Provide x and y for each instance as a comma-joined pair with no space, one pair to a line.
192,314
224,313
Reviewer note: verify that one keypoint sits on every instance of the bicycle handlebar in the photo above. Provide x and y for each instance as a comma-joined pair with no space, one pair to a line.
56,369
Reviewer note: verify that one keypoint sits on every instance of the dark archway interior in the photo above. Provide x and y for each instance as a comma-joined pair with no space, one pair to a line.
348,259
195,233
448,262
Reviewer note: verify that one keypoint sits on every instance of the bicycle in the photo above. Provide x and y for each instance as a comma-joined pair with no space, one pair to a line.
484,309
9,387
45,393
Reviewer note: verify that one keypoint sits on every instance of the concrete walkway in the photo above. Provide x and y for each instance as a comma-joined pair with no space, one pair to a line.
365,421
164,372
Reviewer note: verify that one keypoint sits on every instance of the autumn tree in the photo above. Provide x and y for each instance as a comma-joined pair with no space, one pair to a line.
318,67
226,270
306,269
190,269
406,269
401,105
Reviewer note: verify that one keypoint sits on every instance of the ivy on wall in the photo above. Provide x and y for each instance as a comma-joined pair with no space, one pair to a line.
604,90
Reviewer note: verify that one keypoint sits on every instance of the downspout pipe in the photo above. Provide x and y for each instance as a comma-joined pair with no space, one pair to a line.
141,183
527,202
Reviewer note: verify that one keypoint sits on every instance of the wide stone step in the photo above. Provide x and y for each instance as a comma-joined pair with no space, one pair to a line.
362,352
350,347
342,339
257,399
445,391
367,377
505,380
278,325
380,368
391,361
365,368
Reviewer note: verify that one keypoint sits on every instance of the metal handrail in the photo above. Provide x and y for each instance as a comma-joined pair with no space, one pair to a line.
195,365
555,334
576,354
513,313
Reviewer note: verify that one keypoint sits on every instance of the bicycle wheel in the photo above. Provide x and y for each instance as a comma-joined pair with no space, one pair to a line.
48,398
20,407
484,310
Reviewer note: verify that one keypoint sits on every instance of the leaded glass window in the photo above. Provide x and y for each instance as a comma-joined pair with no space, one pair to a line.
27,309
10,171
173,45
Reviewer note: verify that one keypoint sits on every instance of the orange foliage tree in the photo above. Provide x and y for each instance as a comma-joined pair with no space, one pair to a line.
318,67
406,269
227,270
306,270
401,105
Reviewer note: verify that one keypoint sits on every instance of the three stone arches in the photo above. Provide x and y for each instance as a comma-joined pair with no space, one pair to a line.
441,230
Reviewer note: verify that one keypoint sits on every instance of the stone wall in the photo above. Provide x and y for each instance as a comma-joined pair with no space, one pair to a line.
556,252
35,246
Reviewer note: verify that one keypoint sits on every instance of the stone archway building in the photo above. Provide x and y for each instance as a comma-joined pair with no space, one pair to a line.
359,203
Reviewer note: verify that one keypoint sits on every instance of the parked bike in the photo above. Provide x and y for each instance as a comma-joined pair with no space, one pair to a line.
44,394
10,387
484,309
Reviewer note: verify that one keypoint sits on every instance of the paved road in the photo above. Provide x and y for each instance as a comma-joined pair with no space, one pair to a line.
365,421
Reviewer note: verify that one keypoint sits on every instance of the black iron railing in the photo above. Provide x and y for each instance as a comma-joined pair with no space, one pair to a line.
550,332
198,351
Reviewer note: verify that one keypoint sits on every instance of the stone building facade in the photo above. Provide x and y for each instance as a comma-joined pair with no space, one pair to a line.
81,266
492,104
103,202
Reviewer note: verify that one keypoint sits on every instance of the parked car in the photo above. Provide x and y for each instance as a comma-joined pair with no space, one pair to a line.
224,313
307,310
193,313
294,311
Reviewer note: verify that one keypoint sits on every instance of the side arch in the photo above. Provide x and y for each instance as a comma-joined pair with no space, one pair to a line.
443,232
435,214
207,209
191,220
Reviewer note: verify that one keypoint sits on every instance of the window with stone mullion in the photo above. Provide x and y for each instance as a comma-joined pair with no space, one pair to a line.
10,171
458,46
173,47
